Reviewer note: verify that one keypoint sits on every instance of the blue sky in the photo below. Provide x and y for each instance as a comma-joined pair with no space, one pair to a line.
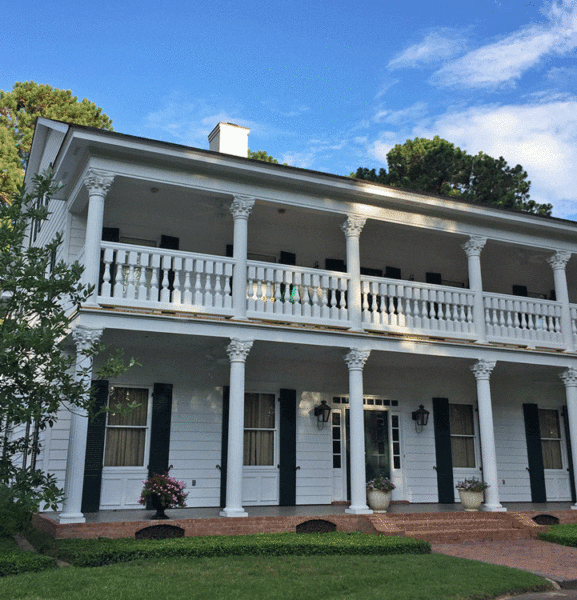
326,85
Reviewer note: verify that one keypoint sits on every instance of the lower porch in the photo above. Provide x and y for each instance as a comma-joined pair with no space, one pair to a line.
440,523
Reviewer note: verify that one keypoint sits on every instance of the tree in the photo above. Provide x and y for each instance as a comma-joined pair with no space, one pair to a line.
39,295
439,167
19,110
262,155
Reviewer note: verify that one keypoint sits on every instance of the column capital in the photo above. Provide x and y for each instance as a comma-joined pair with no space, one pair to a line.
98,182
559,259
238,349
356,359
353,226
474,246
241,206
569,377
483,368
84,337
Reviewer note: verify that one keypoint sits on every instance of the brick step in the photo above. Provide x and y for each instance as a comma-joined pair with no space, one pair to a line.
481,535
456,516
464,526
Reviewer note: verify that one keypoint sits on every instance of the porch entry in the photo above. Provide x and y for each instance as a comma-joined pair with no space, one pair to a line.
382,442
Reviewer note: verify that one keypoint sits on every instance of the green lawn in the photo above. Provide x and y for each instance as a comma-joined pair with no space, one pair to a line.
403,577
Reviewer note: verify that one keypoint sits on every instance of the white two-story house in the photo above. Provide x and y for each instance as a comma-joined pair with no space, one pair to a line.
257,296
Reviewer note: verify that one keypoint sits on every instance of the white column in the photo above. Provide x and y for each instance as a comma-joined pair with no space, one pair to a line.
569,378
74,478
356,360
98,183
482,371
473,250
237,353
558,262
352,228
240,209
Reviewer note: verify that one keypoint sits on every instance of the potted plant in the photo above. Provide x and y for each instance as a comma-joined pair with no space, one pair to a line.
471,493
164,492
379,492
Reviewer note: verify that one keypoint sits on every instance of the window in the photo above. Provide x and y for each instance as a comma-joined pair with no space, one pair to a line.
126,433
337,442
259,430
550,439
462,435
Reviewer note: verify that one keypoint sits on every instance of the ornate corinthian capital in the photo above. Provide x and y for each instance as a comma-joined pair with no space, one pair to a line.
98,182
559,259
353,226
84,337
238,350
241,206
356,359
569,377
483,368
474,246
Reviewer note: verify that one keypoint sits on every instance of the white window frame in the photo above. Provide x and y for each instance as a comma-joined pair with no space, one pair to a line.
276,450
475,437
560,439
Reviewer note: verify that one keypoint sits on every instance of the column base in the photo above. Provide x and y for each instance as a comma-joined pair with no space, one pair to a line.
71,518
233,512
574,507
359,510
493,508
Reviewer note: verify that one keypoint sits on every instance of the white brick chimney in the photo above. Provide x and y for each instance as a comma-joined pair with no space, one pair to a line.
229,139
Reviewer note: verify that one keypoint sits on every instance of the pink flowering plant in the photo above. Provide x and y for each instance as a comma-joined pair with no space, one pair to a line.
380,483
168,490
472,485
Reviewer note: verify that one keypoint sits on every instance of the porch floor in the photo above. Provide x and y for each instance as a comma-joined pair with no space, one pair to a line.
116,516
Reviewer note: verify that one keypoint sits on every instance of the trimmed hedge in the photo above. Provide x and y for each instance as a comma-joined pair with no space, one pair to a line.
21,561
94,553
561,534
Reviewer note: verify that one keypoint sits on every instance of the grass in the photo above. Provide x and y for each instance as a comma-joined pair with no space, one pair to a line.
405,577
13,560
561,534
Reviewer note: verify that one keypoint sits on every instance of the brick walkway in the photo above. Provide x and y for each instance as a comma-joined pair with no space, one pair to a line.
548,560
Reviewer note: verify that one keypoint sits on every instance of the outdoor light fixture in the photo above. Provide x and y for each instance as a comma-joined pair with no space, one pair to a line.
322,413
421,418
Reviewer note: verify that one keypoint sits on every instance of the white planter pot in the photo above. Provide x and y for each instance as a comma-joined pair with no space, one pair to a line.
471,501
379,501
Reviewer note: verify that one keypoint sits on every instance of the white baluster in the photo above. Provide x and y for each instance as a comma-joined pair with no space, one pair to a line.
106,287
218,296
365,285
296,295
166,263
143,272
176,293
334,283
325,308
343,313
130,287
316,300
227,286
306,295
199,269
155,266
187,295
279,299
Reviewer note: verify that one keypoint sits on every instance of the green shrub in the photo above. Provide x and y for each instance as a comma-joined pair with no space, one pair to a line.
20,561
561,534
93,553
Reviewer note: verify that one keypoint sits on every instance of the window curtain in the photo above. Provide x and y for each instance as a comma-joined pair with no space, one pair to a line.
462,435
259,424
550,439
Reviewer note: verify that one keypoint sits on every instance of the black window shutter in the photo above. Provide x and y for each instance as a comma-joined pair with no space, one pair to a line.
371,272
95,450
287,258
160,430
169,243
434,278
335,264
229,250
569,454
534,453
288,447
392,272
224,444
110,234
519,290
443,451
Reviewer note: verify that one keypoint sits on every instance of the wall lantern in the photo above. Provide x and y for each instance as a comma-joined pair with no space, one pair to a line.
322,413
421,418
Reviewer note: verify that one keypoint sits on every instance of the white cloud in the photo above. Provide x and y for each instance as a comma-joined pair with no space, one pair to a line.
396,117
506,60
542,137
437,46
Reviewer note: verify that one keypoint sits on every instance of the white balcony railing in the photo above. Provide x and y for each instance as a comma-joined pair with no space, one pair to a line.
165,279
524,320
392,305
288,293
155,278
